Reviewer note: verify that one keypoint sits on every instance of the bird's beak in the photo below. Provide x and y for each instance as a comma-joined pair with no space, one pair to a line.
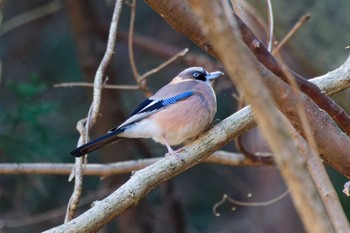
214,75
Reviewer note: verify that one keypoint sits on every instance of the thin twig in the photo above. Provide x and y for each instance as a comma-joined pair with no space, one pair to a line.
270,13
301,111
78,175
107,86
142,83
225,197
292,32
164,50
134,69
135,72
164,64
29,16
141,79
94,109
124,167
127,87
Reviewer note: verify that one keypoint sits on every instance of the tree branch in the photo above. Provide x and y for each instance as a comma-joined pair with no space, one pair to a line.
337,141
94,109
143,181
219,157
107,86
217,21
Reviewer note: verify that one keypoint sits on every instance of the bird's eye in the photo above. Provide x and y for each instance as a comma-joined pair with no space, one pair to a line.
196,74
199,76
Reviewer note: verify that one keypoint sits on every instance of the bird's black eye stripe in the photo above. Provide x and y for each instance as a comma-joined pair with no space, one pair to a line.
199,76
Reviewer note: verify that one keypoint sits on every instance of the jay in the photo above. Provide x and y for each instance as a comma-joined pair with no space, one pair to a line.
178,112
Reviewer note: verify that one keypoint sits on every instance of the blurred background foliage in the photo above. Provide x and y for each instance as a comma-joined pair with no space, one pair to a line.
38,121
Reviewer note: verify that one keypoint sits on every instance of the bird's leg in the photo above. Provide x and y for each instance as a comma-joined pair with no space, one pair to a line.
170,150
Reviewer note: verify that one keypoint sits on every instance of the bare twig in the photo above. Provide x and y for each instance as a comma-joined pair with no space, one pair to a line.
225,198
94,109
107,86
270,14
164,64
142,83
291,33
30,16
165,50
305,124
219,157
141,79
135,72
78,175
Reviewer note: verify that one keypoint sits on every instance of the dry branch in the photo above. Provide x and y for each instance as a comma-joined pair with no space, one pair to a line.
107,86
291,33
219,157
222,31
93,111
148,178
171,10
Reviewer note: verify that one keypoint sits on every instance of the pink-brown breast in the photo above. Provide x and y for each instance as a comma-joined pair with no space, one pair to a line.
187,118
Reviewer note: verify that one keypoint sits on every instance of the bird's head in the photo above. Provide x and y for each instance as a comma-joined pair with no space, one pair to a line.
199,73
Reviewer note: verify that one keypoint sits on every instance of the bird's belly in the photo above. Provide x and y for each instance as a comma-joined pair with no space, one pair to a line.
178,125
146,128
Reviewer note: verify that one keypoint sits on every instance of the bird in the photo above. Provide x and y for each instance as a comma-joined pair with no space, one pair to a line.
178,112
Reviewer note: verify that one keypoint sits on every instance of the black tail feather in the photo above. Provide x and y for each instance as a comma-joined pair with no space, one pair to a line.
98,143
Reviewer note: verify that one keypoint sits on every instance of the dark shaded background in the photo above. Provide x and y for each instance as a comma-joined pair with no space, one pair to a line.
38,121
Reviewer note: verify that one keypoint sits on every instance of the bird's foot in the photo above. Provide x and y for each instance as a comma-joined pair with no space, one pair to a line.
176,154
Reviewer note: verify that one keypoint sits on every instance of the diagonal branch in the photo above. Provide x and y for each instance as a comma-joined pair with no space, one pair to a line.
330,139
291,33
223,32
143,181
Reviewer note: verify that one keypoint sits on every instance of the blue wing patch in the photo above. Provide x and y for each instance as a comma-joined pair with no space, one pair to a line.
174,99
165,102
